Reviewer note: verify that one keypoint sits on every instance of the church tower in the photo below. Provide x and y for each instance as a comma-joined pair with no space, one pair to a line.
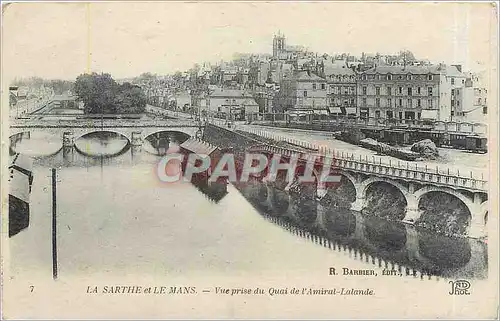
278,45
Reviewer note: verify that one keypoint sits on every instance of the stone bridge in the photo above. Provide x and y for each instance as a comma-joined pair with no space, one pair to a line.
134,131
412,183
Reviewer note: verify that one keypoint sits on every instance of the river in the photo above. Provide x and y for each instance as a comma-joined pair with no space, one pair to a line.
115,217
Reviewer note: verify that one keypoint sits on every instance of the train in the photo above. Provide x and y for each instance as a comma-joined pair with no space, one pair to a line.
401,136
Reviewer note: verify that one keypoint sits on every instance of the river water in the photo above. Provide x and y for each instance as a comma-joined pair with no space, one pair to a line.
114,216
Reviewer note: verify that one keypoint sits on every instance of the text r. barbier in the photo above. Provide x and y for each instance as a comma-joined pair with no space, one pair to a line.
348,271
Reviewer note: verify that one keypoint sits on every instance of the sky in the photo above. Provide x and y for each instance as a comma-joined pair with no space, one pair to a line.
63,40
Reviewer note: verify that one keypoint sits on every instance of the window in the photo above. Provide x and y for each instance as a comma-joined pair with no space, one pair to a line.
418,90
377,113
400,90
389,91
389,102
410,105
485,110
389,77
463,81
364,90
352,101
453,92
429,77
458,103
400,102
323,86
429,91
419,103
457,92
408,77
314,86
364,102
305,93
363,77
429,103
409,91
377,90
377,102
452,81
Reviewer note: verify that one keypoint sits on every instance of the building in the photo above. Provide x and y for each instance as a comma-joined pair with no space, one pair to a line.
304,90
452,91
237,103
279,46
409,92
259,73
341,87
264,96
282,51
471,101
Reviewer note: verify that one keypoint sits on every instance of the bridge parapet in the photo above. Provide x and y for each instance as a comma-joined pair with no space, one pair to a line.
106,123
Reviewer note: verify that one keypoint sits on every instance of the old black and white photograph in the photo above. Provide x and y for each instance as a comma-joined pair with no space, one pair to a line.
197,160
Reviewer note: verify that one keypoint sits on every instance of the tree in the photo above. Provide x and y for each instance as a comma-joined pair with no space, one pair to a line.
130,99
101,94
406,55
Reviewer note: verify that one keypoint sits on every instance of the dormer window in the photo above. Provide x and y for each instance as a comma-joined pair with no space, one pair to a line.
408,77
429,77
363,77
389,77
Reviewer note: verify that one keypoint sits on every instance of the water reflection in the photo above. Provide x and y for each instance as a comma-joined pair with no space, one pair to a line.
215,191
103,143
381,242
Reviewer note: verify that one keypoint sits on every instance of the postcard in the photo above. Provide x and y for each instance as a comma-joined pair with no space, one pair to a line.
249,160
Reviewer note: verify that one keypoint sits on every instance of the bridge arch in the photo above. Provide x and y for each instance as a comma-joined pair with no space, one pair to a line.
166,130
428,189
188,131
342,193
457,218
363,187
106,153
80,134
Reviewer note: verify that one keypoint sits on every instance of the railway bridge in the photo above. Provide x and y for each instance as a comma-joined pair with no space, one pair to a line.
413,183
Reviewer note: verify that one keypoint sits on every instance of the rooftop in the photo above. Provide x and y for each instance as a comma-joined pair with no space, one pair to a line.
303,75
221,92
448,70
338,67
